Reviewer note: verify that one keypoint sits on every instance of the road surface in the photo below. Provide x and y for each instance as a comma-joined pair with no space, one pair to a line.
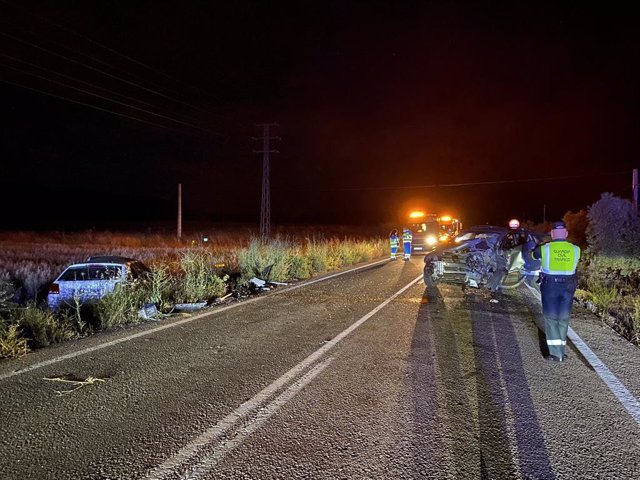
362,375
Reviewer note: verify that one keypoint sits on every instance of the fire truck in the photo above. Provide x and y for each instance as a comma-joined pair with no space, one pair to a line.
430,229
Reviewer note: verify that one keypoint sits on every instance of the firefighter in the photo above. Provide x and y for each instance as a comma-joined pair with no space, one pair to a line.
394,242
558,284
407,237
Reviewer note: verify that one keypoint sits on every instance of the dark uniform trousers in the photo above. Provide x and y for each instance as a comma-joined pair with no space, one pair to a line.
557,299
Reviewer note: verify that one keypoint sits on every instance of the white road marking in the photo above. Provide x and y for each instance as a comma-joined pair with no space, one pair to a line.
261,416
151,331
217,431
624,396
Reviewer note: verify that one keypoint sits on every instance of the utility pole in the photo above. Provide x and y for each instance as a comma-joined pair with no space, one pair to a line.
179,212
634,186
265,207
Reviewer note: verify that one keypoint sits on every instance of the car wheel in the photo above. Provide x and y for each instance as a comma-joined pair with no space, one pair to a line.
429,281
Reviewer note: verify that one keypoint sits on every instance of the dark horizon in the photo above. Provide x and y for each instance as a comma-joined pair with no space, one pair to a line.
372,100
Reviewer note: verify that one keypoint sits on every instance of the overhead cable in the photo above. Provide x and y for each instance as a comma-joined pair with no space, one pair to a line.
107,98
106,47
116,77
491,182
19,85
89,84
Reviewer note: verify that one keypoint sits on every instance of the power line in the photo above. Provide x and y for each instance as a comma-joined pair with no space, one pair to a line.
107,98
491,182
45,69
31,44
85,104
116,52
93,58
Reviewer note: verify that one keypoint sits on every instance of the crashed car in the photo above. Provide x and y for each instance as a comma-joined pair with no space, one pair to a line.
93,279
484,256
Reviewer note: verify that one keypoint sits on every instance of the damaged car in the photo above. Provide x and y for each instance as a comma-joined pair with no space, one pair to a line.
484,256
93,279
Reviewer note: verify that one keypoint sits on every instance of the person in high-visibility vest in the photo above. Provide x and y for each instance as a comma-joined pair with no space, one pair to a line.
394,243
558,284
407,237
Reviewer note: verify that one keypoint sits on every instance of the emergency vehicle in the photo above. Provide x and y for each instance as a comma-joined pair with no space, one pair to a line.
430,229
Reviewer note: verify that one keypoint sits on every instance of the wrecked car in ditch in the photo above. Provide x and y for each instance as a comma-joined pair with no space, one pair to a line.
484,256
93,279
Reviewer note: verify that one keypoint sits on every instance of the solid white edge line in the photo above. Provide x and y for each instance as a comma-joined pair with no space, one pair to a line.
214,433
624,396
261,416
177,323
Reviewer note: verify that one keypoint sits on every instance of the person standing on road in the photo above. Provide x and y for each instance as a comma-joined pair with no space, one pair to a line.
394,242
558,284
407,237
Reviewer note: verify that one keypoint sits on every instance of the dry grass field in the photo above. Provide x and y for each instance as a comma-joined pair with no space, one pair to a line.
188,271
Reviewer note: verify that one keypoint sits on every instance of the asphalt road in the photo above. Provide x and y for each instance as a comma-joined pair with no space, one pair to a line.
445,385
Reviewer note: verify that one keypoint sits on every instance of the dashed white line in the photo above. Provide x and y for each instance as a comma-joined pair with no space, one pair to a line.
215,433
624,396
177,323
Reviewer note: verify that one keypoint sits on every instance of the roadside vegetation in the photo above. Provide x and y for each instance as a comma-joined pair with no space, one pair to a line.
609,272
179,274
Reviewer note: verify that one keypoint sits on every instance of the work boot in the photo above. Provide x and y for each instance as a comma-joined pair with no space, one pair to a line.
553,358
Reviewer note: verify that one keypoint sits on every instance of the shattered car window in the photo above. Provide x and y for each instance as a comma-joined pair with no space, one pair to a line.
104,272
465,237
75,274
81,273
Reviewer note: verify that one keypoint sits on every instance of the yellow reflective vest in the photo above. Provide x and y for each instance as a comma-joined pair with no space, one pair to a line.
559,258
407,236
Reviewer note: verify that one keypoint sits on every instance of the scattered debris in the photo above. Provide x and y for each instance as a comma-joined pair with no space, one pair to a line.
258,283
79,383
189,307
493,300
149,311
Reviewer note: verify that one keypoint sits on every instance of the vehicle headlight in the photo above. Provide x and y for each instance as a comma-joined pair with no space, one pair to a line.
432,240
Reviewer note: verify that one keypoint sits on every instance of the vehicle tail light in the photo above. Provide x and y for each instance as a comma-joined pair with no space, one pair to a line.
54,288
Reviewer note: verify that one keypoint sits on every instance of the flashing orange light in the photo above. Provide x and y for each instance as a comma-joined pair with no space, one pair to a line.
446,218
416,214
514,223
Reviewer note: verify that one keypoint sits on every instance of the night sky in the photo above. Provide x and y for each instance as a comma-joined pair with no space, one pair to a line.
377,101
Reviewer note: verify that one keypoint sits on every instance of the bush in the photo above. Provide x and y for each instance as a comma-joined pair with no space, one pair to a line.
41,327
602,296
635,319
122,305
160,287
619,271
7,292
12,343
300,267
199,280
614,227
318,254
259,255
577,225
